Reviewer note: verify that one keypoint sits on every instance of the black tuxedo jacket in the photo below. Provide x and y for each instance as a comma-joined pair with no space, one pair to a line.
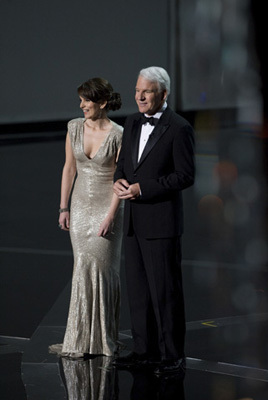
165,168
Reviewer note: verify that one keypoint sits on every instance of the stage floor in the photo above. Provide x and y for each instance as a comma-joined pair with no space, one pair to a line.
225,360
225,298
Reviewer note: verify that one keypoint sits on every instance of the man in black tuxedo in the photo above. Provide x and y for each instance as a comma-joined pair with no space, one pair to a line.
155,164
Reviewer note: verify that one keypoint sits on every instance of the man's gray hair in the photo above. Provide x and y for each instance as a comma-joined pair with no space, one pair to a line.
157,74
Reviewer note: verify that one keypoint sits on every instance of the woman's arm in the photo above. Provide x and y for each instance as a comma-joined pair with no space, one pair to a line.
107,225
67,180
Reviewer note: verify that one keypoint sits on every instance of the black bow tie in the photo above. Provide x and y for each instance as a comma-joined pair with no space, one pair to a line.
151,120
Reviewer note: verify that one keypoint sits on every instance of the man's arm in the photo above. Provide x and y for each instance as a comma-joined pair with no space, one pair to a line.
121,186
119,172
184,168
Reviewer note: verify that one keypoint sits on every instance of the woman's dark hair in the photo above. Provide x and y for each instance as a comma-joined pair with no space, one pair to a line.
99,90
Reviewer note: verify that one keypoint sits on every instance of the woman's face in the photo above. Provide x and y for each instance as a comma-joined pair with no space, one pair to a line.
90,109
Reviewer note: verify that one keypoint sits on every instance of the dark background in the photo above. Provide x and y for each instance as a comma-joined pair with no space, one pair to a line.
214,52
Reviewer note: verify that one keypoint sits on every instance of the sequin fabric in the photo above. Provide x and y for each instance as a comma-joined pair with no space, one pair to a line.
93,319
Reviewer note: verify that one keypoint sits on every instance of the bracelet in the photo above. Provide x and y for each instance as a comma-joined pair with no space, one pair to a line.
61,210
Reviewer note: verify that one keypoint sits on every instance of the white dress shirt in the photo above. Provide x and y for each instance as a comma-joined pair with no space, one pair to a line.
147,129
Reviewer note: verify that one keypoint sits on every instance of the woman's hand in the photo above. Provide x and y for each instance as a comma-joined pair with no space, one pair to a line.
64,220
106,226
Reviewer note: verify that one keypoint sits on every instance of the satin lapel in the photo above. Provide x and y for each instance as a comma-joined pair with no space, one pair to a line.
158,131
135,138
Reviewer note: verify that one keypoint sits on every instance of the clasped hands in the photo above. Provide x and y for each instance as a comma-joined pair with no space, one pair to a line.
125,191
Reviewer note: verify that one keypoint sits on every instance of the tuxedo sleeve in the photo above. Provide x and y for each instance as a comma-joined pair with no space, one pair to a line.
183,173
119,172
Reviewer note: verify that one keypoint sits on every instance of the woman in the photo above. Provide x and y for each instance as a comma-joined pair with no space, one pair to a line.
92,147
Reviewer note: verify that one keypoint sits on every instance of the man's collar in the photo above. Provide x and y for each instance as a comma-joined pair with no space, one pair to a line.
159,113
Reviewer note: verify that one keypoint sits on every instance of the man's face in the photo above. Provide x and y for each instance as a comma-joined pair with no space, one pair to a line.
149,97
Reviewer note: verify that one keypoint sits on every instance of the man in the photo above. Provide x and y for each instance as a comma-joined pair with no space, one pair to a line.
155,164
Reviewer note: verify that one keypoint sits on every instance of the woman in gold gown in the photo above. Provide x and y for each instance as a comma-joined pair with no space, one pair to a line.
94,222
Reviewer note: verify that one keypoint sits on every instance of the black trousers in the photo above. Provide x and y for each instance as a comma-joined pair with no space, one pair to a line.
154,283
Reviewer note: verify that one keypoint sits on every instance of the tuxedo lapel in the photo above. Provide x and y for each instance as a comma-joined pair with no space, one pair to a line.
153,139
135,139
156,134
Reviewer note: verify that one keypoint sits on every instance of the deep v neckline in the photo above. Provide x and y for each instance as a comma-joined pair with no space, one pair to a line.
101,145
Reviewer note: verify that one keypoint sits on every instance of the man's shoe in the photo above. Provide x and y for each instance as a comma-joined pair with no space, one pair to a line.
131,360
168,367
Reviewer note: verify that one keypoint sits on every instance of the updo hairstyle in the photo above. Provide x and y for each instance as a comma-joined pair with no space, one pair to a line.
100,90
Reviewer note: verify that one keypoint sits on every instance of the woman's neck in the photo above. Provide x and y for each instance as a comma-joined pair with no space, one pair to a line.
99,123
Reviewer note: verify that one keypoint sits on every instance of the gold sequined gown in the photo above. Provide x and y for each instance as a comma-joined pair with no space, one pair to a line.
93,319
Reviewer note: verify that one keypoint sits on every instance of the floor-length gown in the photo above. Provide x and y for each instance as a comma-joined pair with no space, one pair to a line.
93,319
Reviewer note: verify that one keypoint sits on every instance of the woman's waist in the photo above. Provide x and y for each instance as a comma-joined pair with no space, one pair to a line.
92,180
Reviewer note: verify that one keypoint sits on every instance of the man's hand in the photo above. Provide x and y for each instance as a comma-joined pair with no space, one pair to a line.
125,191
120,186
